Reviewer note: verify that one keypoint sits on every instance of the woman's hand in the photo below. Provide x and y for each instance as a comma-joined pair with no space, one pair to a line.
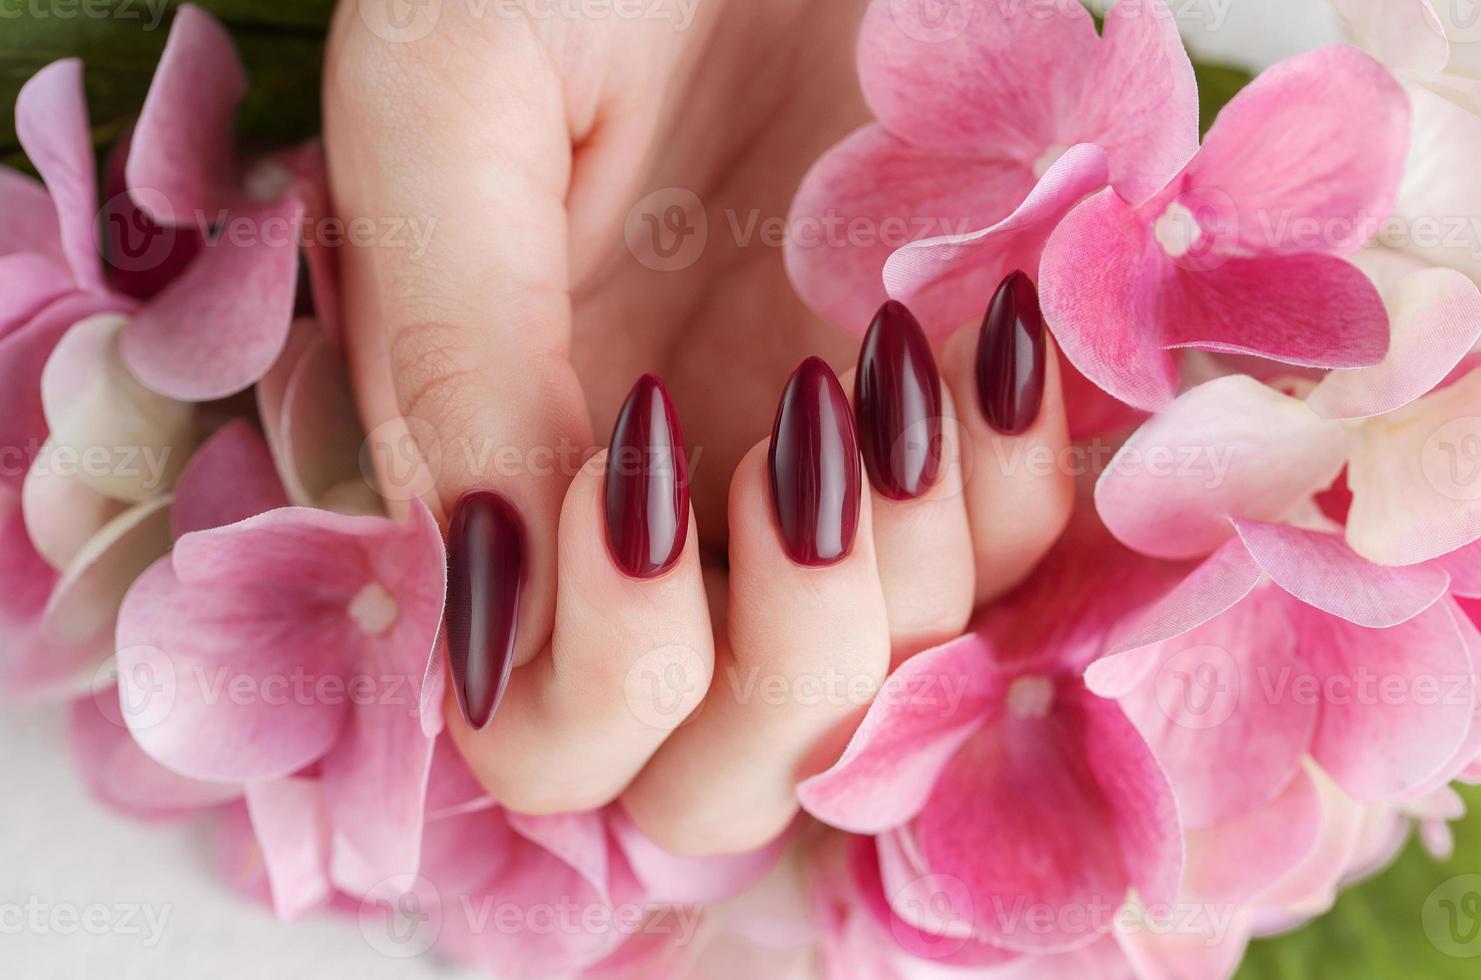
563,163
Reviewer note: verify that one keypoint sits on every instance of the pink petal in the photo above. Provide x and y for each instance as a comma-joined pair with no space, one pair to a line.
118,772
52,126
1309,888
1318,139
29,281
1230,447
307,164
23,354
1463,565
1322,571
578,839
1436,317
1227,745
289,822
87,596
97,410
1082,814
218,328
869,195
672,880
140,256
1412,476
1397,703
31,225
230,478
927,708
62,512
948,279
1238,860
319,435
1403,34
182,144
1207,943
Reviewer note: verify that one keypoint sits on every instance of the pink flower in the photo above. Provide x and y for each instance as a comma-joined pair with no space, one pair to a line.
1243,250
1000,119
991,776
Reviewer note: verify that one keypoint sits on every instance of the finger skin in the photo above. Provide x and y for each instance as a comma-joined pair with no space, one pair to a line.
1018,489
806,648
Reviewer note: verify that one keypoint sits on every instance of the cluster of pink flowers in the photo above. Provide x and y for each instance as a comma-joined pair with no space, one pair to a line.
1246,671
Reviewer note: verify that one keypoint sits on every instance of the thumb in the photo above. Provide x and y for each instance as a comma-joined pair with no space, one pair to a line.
449,158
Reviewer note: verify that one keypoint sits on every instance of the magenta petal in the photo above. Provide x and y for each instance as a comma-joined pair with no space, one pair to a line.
869,195
1322,571
1104,311
927,708
946,279
1230,447
1240,859
1228,746
1083,813
118,772
182,144
288,820
230,478
218,328
1321,137
1397,703
1463,565
51,123
672,880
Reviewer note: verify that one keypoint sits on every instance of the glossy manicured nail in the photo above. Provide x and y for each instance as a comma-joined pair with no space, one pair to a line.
897,404
485,576
1010,357
815,467
647,484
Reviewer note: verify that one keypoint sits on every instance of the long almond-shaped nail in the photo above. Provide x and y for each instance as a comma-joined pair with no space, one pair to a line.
897,404
485,577
646,491
1010,357
815,467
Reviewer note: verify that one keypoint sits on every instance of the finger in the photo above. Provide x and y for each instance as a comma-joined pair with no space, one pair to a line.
1004,378
471,321
910,445
632,650
807,642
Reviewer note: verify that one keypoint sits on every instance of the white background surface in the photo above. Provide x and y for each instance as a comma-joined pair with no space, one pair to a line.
59,848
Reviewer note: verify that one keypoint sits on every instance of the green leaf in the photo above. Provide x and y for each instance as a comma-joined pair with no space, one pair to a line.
1392,926
1217,84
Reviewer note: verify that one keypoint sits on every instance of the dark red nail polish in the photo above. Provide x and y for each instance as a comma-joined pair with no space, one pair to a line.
897,404
1010,357
815,467
647,483
485,577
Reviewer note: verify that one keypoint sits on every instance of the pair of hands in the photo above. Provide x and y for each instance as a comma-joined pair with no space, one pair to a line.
522,135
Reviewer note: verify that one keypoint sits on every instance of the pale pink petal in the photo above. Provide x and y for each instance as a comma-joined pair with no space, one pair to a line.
1230,447
1403,34
130,441
1397,703
289,821
312,185
1322,571
62,511
873,193
1310,886
118,772
23,354
230,478
1207,943
28,281
927,708
319,432
182,145
578,839
948,279
1436,320
1320,137
87,596
1214,717
1240,859
1439,199
218,328
672,880
31,218
1413,478
52,126
1083,813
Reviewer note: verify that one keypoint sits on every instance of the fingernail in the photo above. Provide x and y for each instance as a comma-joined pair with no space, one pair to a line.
647,483
815,467
897,404
485,576
1010,357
